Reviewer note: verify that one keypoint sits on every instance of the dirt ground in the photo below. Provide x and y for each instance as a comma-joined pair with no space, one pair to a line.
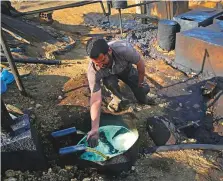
59,97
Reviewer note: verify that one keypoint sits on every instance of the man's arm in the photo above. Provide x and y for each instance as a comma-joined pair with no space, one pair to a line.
95,111
141,71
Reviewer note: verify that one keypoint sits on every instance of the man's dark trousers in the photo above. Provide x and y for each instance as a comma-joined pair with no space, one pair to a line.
130,77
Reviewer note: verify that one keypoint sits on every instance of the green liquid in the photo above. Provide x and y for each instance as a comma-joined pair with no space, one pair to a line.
113,140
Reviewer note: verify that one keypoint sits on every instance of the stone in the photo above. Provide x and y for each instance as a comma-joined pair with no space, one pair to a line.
87,179
196,106
60,97
9,173
33,116
73,179
49,170
11,179
38,106
32,102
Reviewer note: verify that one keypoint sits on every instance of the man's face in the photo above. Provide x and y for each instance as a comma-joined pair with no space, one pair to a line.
103,61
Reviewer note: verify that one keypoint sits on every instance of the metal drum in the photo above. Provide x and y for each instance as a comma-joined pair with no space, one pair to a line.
119,4
167,30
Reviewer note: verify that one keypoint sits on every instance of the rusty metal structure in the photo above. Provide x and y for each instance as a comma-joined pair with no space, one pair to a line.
12,64
167,9
119,5
200,50
196,18
76,4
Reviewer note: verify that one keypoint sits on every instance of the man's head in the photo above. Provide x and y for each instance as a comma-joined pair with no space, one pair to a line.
99,52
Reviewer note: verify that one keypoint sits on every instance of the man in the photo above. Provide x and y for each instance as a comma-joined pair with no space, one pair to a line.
108,63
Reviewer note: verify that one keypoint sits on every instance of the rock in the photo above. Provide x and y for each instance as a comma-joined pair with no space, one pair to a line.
30,108
86,179
33,116
49,170
138,109
68,167
32,102
133,168
18,173
38,106
196,106
73,179
60,97
9,173
146,107
163,105
180,104
11,179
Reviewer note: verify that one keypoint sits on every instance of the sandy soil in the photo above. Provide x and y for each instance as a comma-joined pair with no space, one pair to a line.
62,91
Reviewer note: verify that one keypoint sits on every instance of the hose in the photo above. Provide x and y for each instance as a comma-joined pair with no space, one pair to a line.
183,147
88,149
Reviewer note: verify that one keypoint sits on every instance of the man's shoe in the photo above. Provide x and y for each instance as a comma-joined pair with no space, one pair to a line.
114,105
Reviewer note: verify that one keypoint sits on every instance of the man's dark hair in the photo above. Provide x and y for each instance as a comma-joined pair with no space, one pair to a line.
95,46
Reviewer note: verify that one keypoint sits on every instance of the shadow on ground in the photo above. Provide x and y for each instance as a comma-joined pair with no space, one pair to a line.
186,104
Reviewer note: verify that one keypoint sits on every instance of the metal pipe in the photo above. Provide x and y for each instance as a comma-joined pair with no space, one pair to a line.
109,5
183,147
103,8
33,61
77,4
139,4
120,19
16,36
12,64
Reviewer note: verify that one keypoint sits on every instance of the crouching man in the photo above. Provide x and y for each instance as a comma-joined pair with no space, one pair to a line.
109,63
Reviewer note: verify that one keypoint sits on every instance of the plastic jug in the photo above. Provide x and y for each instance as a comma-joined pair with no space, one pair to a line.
7,77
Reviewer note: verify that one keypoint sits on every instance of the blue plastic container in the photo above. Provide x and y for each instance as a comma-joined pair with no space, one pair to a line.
3,86
7,77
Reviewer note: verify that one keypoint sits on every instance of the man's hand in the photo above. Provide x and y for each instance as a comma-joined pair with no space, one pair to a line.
92,138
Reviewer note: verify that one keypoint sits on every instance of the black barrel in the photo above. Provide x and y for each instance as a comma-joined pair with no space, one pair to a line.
167,30
117,4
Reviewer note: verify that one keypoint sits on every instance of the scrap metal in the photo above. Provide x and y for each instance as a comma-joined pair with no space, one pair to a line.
197,45
12,64
197,18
